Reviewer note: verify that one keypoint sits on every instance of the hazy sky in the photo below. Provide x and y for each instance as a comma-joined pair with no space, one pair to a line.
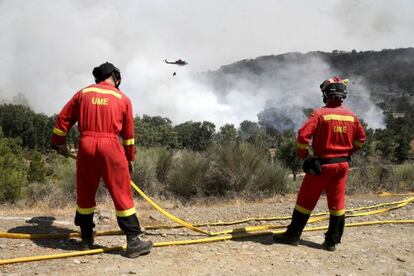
48,48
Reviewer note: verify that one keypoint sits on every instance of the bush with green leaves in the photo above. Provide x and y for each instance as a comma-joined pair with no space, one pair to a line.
58,188
376,177
187,175
38,168
13,170
246,168
405,175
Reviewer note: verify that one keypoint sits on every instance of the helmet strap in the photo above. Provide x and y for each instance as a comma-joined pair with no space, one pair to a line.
116,79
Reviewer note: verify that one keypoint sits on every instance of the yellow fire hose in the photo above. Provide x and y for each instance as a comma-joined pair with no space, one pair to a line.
224,223
399,204
385,194
167,214
194,228
234,234
187,242
257,219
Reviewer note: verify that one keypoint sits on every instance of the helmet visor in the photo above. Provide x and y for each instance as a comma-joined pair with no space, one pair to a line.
335,87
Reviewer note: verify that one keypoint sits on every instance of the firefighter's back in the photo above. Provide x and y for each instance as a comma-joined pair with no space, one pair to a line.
335,133
101,109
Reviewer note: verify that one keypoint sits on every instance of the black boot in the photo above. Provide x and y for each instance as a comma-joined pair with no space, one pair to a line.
137,247
87,238
294,230
85,222
335,231
129,225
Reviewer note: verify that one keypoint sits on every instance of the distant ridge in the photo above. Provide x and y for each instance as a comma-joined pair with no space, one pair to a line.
389,72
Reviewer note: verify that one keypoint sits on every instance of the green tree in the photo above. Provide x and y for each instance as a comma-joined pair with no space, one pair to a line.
155,131
186,134
13,176
287,155
252,133
401,152
205,135
33,129
227,134
195,135
248,129
37,168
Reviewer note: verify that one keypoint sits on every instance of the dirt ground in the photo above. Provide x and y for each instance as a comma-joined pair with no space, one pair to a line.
369,250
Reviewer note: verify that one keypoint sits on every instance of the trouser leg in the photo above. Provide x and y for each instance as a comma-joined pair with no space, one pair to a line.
87,182
335,192
309,193
118,181
115,173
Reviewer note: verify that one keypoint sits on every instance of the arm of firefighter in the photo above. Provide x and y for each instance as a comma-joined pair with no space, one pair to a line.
360,136
127,132
305,136
65,120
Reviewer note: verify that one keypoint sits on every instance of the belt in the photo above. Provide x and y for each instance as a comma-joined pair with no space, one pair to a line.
334,160
98,134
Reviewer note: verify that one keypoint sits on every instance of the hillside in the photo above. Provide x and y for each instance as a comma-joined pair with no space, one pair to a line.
385,74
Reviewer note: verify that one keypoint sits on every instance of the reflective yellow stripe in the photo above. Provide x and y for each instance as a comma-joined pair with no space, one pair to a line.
303,210
128,142
358,144
302,146
125,213
102,91
346,118
337,212
59,132
85,211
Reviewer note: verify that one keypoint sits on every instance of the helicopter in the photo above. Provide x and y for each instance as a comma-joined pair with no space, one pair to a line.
179,62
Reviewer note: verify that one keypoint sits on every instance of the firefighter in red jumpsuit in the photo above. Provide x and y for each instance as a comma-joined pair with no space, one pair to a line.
103,113
334,133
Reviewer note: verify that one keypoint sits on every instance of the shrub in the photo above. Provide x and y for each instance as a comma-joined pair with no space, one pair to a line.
150,169
245,167
163,165
60,185
405,175
13,170
375,177
187,175
37,168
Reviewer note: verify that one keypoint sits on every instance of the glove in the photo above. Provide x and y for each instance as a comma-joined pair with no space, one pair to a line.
62,149
312,166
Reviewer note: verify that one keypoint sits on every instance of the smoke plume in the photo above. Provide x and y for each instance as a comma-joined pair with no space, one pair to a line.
48,49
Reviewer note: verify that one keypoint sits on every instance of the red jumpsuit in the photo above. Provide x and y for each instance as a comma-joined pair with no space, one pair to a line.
103,112
334,131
